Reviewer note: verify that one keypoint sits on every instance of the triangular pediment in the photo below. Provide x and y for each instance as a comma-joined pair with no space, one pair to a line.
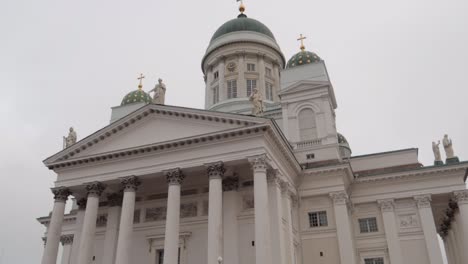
303,85
153,124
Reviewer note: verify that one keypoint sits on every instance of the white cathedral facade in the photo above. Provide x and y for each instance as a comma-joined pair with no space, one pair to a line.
168,184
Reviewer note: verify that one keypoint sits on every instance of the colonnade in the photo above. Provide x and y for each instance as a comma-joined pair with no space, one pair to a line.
270,243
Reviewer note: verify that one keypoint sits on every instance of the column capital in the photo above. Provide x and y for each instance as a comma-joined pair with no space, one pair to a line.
174,176
81,203
95,188
386,205
259,162
273,177
66,239
461,197
130,183
215,170
423,201
340,197
114,199
231,183
61,194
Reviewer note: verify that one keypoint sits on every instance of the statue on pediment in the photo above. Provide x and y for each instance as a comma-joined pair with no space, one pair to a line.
257,102
436,150
159,92
70,139
449,153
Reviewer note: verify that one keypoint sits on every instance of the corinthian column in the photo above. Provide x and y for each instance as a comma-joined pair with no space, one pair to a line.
428,226
461,198
391,232
230,225
55,227
171,239
262,215
215,173
114,201
78,226
85,253
129,185
291,258
343,227
67,242
276,216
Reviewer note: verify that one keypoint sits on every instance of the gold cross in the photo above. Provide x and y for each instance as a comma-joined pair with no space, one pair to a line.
141,79
301,38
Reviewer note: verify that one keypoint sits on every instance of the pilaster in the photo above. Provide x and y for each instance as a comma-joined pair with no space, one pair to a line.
343,227
391,232
461,197
67,242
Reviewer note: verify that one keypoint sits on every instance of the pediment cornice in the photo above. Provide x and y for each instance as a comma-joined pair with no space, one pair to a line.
303,85
67,155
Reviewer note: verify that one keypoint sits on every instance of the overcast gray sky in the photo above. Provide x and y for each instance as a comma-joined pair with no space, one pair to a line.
399,69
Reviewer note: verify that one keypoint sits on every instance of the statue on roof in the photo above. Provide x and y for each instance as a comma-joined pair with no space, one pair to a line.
436,150
70,139
159,92
257,102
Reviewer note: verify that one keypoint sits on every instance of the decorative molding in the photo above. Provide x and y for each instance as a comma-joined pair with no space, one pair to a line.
130,183
408,221
285,187
423,201
215,170
339,198
66,239
95,188
259,162
273,177
155,214
61,194
461,197
114,199
174,176
231,183
387,205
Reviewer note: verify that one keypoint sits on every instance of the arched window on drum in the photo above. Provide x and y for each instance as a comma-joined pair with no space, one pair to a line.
307,125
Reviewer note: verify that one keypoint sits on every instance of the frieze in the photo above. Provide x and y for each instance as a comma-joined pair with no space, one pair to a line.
215,170
61,194
408,221
423,201
174,176
130,183
188,210
95,188
66,239
155,214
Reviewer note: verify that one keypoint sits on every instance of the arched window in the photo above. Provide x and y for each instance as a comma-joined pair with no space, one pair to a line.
307,125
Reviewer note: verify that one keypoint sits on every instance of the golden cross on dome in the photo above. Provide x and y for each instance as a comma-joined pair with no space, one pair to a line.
301,38
141,79
241,6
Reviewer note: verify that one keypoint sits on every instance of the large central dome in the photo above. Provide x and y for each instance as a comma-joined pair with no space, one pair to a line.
242,23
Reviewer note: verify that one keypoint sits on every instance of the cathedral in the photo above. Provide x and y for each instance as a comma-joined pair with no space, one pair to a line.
260,176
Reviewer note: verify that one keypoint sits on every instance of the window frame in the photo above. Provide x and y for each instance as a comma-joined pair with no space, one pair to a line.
251,67
268,91
216,75
215,92
321,219
374,260
231,89
366,225
252,81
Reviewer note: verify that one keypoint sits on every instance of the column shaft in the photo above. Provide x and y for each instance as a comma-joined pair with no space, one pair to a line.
215,219
391,231
343,228
462,200
454,247
230,228
290,232
276,216
112,229
55,226
86,249
78,227
67,242
429,229
171,239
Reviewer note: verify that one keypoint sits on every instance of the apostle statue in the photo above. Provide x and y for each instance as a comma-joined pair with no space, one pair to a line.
70,139
159,92
448,147
257,102
436,150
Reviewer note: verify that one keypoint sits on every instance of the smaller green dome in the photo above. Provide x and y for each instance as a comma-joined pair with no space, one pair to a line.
301,58
137,96
341,139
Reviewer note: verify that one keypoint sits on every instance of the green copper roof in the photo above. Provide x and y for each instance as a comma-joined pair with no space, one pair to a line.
137,96
341,139
301,58
242,23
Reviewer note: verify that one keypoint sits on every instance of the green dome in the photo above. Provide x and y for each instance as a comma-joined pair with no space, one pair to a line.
301,58
341,139
242,23
137,96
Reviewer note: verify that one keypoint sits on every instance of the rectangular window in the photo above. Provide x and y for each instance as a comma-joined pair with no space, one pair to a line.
216,75
250,67
367,225
251,85
268,72
232,89
317,219
215,94
269,91
373,261
310,156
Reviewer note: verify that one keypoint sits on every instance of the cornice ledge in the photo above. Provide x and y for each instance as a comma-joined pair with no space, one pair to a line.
328,169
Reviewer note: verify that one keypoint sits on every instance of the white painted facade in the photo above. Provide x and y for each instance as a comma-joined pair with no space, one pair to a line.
204,186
